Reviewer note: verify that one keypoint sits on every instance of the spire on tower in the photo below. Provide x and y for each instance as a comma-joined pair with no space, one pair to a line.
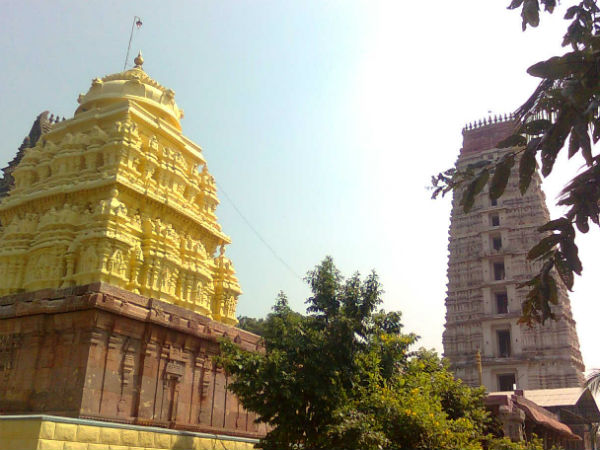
139,60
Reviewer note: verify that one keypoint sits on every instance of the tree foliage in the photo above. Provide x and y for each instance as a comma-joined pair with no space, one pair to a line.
343,376
563,112
251,324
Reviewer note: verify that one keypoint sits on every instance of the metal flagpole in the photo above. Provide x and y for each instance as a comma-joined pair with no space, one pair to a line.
137,22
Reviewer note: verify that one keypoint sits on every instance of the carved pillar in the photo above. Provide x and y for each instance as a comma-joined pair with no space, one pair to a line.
219,399
206,385
197,365
512,422
148,379
96,360
124,406
173,375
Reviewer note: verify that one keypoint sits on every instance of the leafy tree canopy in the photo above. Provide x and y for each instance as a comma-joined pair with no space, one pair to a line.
251,324
563,112
342,376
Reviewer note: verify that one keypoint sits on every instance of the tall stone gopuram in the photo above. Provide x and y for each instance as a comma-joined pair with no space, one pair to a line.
114,284
487,260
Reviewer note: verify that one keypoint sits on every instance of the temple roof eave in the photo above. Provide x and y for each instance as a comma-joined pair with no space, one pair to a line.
132,107
172,121
7,205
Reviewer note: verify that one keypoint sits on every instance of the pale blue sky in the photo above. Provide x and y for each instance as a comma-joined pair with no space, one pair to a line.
322,120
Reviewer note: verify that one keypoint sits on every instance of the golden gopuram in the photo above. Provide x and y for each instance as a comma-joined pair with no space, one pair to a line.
114,284
118,194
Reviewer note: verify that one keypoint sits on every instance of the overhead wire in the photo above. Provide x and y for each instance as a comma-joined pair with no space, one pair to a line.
258,235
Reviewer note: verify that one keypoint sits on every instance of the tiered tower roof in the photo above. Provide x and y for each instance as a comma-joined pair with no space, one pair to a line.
487,262
117,194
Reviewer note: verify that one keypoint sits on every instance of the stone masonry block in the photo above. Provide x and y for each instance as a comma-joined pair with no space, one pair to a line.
146,439
130,437
110,436
162,440
182,442
47,430
97,446
87,433
75,446
65,431
49,444
202,444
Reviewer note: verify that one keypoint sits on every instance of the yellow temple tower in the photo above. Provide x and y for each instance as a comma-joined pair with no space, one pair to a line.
117,194
114,284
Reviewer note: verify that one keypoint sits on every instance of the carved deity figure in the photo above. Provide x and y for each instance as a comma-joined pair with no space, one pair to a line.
89,260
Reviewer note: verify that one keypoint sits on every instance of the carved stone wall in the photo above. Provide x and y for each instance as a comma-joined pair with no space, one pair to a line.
487,260
100,352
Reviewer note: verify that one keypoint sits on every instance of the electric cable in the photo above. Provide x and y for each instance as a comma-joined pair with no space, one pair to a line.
258,235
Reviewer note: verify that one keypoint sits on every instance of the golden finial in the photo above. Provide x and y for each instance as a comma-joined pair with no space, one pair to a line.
139,60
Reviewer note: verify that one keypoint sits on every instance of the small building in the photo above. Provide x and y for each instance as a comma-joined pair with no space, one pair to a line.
549,413
521,419
575,407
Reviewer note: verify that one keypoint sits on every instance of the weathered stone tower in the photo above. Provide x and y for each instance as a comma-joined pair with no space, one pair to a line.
114,284
488,248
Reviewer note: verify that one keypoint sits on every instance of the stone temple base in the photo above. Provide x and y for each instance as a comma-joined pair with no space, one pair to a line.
102,353
58,433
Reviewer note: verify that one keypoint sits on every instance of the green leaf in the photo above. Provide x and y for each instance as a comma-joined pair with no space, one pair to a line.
571,12
481,181
474,188
552,291
559,67
566,274
530,13
549,5
570,251
554,139
544,246
514,140
500,178
515,4
527,166
478,165
582,223
556,224
536,127
573,144
584,141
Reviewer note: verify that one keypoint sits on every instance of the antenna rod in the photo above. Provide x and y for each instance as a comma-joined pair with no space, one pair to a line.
136,22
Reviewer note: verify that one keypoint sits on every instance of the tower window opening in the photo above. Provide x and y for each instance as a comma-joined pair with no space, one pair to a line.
494,202
506,382
501,303
503,343
495,221
497,243
499,272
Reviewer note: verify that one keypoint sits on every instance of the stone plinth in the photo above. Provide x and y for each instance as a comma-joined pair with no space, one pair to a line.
58,433
103,353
